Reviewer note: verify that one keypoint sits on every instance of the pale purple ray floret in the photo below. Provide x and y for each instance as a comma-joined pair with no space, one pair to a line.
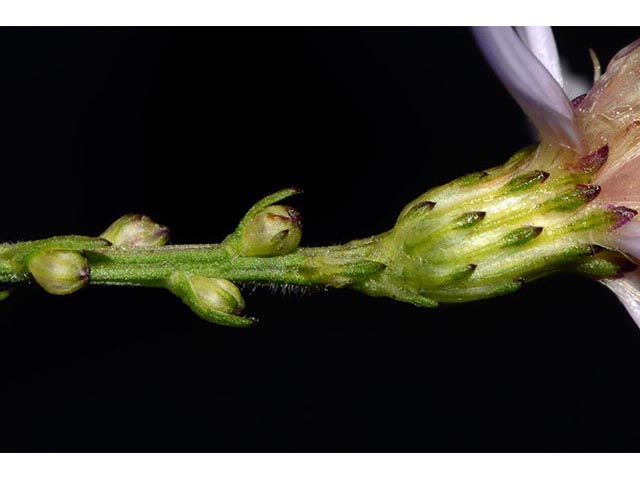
526,61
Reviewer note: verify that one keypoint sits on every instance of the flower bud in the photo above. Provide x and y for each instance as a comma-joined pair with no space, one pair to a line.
213,299
136,230
276,230
59,272
217,294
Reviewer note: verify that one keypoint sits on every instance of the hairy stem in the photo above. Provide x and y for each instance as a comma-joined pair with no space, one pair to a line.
151,266
335,266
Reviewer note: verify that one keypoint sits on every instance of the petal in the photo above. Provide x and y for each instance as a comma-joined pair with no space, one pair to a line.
531,85
542,44
627,239
627,289
620,177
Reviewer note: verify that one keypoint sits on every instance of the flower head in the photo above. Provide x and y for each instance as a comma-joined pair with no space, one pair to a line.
597,134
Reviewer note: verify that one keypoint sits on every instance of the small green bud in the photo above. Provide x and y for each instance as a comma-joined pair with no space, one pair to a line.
59,272
136,230
217,294
276,230
214,299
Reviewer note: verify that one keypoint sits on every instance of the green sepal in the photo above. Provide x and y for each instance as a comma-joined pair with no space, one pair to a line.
466,294
605,264
417,300
470,179
520,236
578,196
416,211
462,273
468,220
510,286
598,218
441,278
526,180
396,292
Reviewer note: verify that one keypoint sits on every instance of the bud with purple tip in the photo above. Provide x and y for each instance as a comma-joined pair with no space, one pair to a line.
59,272
276,230
214,299
136,230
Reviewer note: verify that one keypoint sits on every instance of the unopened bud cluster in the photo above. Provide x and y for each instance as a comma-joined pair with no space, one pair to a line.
267,230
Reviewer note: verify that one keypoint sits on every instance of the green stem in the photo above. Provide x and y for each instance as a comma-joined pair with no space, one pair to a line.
131,252
335,266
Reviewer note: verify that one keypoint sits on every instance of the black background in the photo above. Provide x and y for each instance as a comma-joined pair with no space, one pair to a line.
191,126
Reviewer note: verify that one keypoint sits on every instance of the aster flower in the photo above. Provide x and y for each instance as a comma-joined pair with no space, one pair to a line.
566,204
598,131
